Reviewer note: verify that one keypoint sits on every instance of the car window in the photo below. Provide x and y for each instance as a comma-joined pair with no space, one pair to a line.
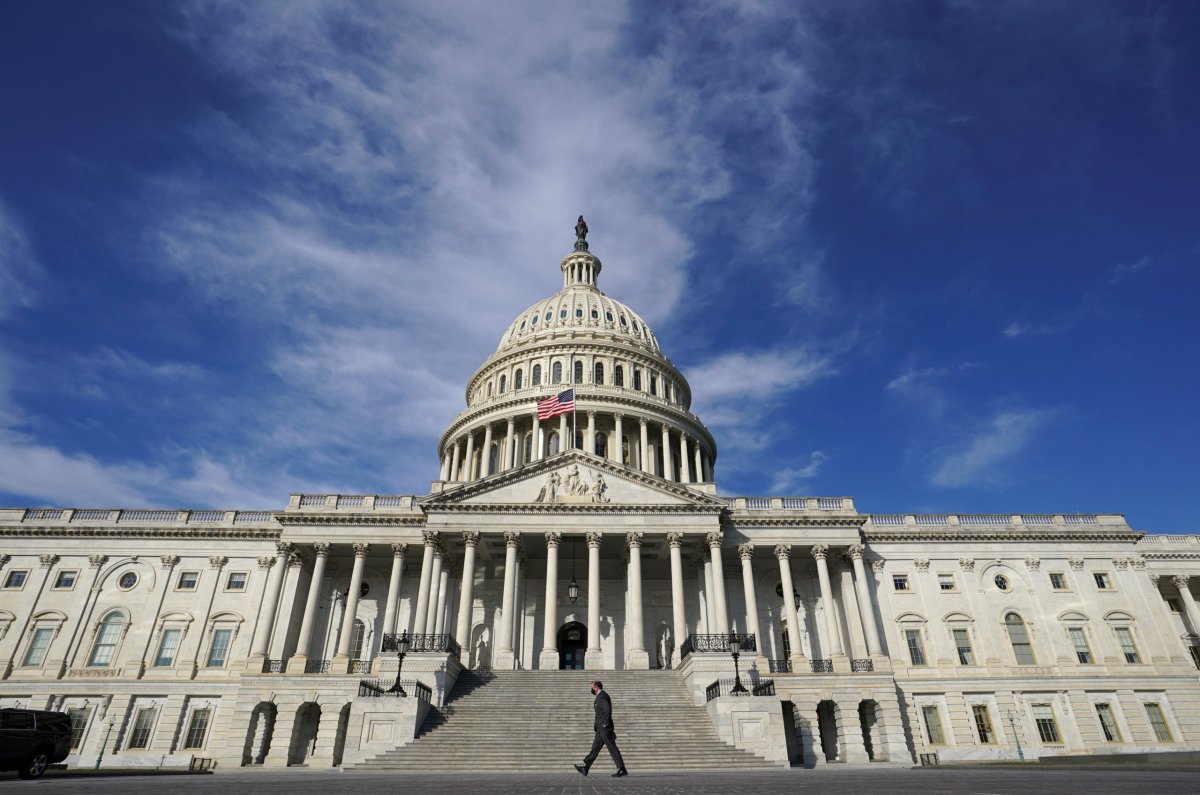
16,720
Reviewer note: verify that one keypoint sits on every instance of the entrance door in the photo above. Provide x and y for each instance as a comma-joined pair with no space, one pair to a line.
572,645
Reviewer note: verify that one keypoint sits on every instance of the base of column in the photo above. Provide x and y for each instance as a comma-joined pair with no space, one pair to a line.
504,660
637,660
593,660
254,663
799,664
548,660
296,664
340,664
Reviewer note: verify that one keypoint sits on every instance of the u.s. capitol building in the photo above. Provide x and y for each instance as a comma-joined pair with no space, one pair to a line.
594,540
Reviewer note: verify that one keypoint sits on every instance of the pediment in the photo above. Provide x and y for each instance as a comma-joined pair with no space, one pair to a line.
573,479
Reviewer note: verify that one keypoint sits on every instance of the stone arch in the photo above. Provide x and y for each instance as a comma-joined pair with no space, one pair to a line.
828,745
259,733
481,647
339,740
870,721
304,733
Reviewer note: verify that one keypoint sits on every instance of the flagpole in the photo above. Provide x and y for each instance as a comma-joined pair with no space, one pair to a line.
574,404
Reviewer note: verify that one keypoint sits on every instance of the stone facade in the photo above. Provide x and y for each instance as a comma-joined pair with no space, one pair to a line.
245,637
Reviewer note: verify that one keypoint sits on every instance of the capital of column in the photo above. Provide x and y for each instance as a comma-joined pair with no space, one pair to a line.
619,415
399,550
553,539
968,564
170,561
593,540
714,538
283,548
94,561
1154,578
675,539
783,551
295,559
360,550
633,540
511,422
642,421
217,561
1033,564
1121,563
471,538
512,539
321,548
1180,581
591,414
820,551
266,562
46,561
430,537
439,551
745,551
855,551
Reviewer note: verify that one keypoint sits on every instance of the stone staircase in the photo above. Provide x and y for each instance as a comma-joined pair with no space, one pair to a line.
541,721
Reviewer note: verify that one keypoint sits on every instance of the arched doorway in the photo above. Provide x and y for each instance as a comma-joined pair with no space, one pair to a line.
304,733
572,646
868,718
827,728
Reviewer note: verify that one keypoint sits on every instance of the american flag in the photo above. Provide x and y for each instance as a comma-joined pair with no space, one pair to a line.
561,403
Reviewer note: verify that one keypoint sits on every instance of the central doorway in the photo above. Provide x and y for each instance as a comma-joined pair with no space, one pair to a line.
572,645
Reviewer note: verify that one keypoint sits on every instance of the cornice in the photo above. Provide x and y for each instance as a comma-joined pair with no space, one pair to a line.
1169,555
590,508
874,534
348,520
141,532
847,522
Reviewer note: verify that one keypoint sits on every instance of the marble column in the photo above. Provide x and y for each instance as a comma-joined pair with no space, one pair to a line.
466,596
510,447
593,659
446,458
536,439
855,633
865,605
833,644
636,657
456,463
678,619
504,658
266,616
710,603
422,608
590,441
746,553
1180,581
443,592
783,553
298,660
393,594
356,575
616,452
435,589
549,655
720,611
668,468
685,475
469,464
699,464
485,455
564,442
644,450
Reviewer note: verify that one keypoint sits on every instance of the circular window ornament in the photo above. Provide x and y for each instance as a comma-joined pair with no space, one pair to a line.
127,580
608,316
562,314
1002,582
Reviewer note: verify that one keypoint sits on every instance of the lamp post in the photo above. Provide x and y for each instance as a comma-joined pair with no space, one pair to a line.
103,745
402,646
735,646
573,588
1013,725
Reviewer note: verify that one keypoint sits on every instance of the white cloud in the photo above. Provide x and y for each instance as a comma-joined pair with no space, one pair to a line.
790,479
982,458
18,267
1124,270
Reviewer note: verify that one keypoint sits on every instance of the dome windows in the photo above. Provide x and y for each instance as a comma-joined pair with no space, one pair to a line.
518,379
595,314
556,371
608,316
549,316
623,321
503,383
579,311
562,313
598,373
537,375
618,375
533,320
523,325
578,373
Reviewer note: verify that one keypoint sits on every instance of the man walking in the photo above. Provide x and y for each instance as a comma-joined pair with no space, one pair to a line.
606,734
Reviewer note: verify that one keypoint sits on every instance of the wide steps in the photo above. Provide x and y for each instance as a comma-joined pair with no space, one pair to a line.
541,721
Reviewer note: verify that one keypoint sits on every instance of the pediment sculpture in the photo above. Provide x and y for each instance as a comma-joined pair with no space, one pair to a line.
573,488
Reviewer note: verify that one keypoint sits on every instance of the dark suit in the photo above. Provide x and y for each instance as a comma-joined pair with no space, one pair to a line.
606,733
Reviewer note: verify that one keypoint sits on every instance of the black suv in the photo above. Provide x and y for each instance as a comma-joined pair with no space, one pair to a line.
32,739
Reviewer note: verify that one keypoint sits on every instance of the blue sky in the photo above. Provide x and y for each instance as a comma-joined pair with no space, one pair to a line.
938,256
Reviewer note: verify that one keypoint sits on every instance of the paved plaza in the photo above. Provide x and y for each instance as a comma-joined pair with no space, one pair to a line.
980,781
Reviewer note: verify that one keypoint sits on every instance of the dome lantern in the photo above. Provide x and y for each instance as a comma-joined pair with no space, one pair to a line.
580,268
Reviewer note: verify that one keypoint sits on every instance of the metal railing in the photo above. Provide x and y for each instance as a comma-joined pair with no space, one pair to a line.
444,644
724,687
821,666
274,666
375,688
862,665
360,666
780,666
316,666
707,644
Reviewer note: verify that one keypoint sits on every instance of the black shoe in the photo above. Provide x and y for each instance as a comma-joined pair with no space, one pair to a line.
621,772
582,770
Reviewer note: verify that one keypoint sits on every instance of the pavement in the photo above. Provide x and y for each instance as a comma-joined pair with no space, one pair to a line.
983,780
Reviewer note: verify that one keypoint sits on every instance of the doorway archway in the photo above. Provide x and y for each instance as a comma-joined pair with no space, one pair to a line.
572,646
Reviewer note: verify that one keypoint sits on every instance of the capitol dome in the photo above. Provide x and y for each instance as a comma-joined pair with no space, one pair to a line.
632,403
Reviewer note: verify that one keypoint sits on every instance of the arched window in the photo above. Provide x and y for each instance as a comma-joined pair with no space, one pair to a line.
553,443
107,637
653,384
1018,635
503,383
494,458
578,373
602,444
527,448
618,375
489,394
357,636
637,379
556,373
519,379
598,375
537,375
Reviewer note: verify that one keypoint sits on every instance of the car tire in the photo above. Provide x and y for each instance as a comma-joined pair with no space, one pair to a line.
35,766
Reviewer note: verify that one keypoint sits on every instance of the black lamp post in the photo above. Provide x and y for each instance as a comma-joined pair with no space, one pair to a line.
573,588
402,646
735,646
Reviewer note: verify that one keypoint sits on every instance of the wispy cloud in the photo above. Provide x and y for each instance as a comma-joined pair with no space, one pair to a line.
790,480
983,457
1125,270
18,266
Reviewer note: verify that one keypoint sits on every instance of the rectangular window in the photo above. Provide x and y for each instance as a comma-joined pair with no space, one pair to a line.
1102,581
945,582
1108,723
236,581
187,580
983,724
66,578
168,647
962,642
1058,581
38,646
197,728
142,726
16,578
933,724
218,653
79,721
1158,722
1047,726
1128,647
916,651
1083,652
900,582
